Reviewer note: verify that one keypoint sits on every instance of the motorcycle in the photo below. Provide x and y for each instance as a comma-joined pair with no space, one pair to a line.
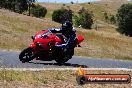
43,48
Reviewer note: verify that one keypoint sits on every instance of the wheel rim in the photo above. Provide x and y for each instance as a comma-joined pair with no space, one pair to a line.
27,55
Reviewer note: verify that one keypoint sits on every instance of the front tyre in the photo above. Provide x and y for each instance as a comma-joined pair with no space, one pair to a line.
26,55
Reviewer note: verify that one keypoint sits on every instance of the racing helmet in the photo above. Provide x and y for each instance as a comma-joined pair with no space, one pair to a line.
67,26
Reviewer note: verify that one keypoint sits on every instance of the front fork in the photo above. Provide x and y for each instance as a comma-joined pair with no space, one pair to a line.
34,48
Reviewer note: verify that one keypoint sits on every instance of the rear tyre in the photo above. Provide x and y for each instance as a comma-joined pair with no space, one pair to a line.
64,57
26,55
61,61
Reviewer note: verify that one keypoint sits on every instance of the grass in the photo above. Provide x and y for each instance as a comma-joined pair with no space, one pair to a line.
98,8
16,27
34,77
16,31
103,45
50,79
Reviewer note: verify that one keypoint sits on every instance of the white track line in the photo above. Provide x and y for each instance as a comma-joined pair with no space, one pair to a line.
62,69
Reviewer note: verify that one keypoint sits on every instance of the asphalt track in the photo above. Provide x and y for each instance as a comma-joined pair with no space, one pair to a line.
9,59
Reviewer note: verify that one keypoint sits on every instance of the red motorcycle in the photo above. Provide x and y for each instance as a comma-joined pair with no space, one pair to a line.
43,48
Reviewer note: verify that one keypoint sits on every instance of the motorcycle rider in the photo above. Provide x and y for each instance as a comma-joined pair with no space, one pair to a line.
67,31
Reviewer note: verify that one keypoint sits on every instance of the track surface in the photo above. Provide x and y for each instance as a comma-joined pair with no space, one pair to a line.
9,59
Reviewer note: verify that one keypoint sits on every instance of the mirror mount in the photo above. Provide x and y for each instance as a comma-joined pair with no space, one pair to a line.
33,37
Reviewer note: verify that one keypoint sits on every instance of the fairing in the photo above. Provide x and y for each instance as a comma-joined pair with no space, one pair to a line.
80,39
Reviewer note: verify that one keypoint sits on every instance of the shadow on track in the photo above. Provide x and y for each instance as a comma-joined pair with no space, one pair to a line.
65,64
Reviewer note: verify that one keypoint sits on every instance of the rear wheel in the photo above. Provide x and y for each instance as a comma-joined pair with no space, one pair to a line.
64,57
62,60
26,55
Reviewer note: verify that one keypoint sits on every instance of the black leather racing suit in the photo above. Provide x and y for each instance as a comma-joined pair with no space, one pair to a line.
70,37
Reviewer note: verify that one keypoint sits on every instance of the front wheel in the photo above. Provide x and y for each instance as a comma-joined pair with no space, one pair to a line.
26,55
